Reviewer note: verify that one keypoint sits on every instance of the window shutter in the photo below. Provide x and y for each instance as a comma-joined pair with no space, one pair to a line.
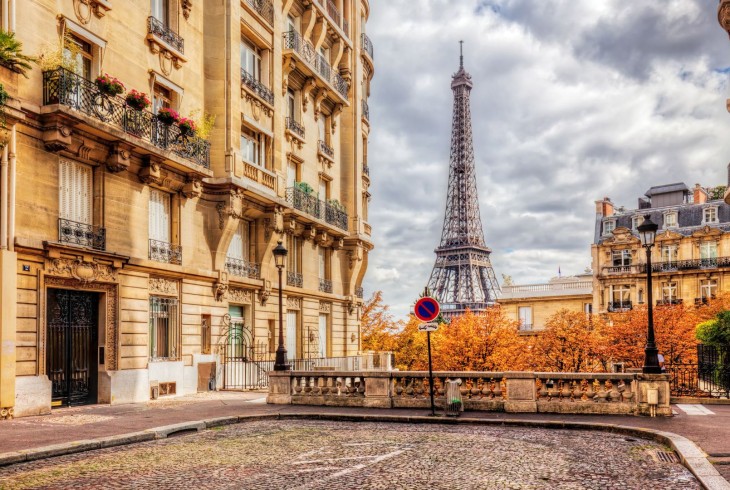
75,192
159,219
235,249
321,253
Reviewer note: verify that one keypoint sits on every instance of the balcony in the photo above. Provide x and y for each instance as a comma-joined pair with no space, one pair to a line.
316,208
621,269
325,286
257,87
326,150
685,265
335,16
242,268
158,28
63,87
315,61
265,8
294,279
366,170
359,292
617,306
293,126
259,175
81,234
165,252
367,45
703,300
668,302
365,109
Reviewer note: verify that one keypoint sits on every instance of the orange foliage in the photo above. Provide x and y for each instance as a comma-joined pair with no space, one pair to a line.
571,342
378,328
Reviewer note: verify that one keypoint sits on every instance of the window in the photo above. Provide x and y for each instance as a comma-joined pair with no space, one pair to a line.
161,97
251,147
708,250
240,244
291,173
75,192
621,296
588,308
322,335
669,292
293,257
161,11
669,253
710,215
621,258
323,190
291,333
322,126
159,219
291,24
708,288
525,314
609,226
670,220
635,222
251,59
164,328
80,53
238,334
323,257
291,106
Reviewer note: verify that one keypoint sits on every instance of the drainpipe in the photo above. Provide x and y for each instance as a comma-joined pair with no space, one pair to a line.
11,191
4,200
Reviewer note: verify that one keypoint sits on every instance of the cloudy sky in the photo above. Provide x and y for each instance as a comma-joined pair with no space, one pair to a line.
573,100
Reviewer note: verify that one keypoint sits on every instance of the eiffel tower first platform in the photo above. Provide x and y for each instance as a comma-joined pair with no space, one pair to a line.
462,277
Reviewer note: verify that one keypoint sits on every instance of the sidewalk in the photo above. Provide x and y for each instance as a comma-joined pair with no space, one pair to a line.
710,432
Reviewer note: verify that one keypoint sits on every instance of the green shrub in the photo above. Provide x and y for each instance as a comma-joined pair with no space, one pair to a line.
715,331
304,187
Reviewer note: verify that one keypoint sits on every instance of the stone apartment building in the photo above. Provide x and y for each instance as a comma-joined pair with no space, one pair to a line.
133,254
533,304
690,259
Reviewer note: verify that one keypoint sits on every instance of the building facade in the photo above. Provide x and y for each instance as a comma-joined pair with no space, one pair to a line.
533,304
690,259
136,254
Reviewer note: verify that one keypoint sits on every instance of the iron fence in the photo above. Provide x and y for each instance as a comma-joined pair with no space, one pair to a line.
326,149
265,8
294,279
365,109
158,28
367,45
165,252
295,127
709,377
61,86
81,234
257,87
243,268
325,285
313,206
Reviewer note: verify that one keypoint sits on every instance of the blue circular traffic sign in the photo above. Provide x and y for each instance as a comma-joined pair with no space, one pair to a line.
426,309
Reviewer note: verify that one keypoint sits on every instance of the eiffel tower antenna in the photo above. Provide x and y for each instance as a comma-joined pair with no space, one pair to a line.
462,277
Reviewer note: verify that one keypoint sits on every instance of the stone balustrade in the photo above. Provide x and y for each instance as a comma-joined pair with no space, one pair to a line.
574,393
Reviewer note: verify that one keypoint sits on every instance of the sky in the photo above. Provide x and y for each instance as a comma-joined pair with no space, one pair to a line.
573,100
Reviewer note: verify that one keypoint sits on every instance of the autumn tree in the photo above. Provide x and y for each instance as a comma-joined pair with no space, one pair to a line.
378,327
571,342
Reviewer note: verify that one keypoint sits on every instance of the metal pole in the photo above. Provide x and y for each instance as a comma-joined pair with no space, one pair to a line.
430,373
651,359
281,362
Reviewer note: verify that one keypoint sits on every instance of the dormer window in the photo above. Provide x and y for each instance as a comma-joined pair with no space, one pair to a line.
709,215
670,219
635,222
609,226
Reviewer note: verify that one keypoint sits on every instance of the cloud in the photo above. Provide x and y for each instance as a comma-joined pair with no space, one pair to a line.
573,100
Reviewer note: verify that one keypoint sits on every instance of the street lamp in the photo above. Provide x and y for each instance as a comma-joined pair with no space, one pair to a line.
647,234
281,363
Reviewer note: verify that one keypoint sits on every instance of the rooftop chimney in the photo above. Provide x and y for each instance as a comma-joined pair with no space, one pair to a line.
604,208
700,195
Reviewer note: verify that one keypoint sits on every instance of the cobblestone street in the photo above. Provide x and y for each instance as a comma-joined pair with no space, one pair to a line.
323,455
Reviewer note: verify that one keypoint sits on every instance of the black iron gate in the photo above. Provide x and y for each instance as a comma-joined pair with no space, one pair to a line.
71,362
708,377
243,364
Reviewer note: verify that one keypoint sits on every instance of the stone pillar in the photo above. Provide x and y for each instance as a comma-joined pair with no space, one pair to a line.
659,382
279,388
377,389
521,395
8,310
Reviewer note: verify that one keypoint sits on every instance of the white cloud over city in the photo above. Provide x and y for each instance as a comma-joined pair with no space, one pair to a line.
573,100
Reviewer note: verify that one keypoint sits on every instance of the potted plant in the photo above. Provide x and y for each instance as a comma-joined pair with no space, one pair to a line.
167,116
137,100
11,54
108,85
304,187
187,126
336,204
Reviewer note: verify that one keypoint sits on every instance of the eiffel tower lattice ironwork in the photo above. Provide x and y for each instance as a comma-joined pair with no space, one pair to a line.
462,277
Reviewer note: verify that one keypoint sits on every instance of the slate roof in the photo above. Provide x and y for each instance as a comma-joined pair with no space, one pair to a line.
664,189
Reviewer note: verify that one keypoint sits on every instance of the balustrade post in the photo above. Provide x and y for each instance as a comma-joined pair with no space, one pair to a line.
521,392
281,386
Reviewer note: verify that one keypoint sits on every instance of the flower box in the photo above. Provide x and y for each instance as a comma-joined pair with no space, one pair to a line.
108,85
137,100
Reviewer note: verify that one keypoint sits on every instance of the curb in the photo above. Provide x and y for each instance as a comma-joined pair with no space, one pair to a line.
691,456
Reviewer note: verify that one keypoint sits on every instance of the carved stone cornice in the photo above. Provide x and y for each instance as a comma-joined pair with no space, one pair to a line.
325,307
85,8
81,270
238,295
193,188
119,158
233,207
164,286
293,303
187,6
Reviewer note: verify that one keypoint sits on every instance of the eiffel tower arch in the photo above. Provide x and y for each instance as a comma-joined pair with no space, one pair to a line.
462,277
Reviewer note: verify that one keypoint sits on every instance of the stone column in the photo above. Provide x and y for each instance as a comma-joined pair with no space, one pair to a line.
521,395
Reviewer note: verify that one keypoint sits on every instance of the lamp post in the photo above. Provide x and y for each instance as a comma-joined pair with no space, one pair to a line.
281,363
647,234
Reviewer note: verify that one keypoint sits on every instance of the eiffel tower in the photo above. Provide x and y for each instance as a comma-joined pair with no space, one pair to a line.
462,277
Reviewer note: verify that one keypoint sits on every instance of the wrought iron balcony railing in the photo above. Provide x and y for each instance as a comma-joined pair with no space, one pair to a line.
81,234
315,207
61,86
326,150
668,301
165,252
294,41
366,170
692,264
294,279
243,268
325,285
525,327
335,16
620,269
294,127
359,292
614,306
158,28
365,109
367,45
258,88
265,8
703,300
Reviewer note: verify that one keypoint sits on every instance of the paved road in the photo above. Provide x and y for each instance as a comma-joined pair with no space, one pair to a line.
314,455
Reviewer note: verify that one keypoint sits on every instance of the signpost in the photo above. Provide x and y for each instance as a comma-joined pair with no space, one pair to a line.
427,309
